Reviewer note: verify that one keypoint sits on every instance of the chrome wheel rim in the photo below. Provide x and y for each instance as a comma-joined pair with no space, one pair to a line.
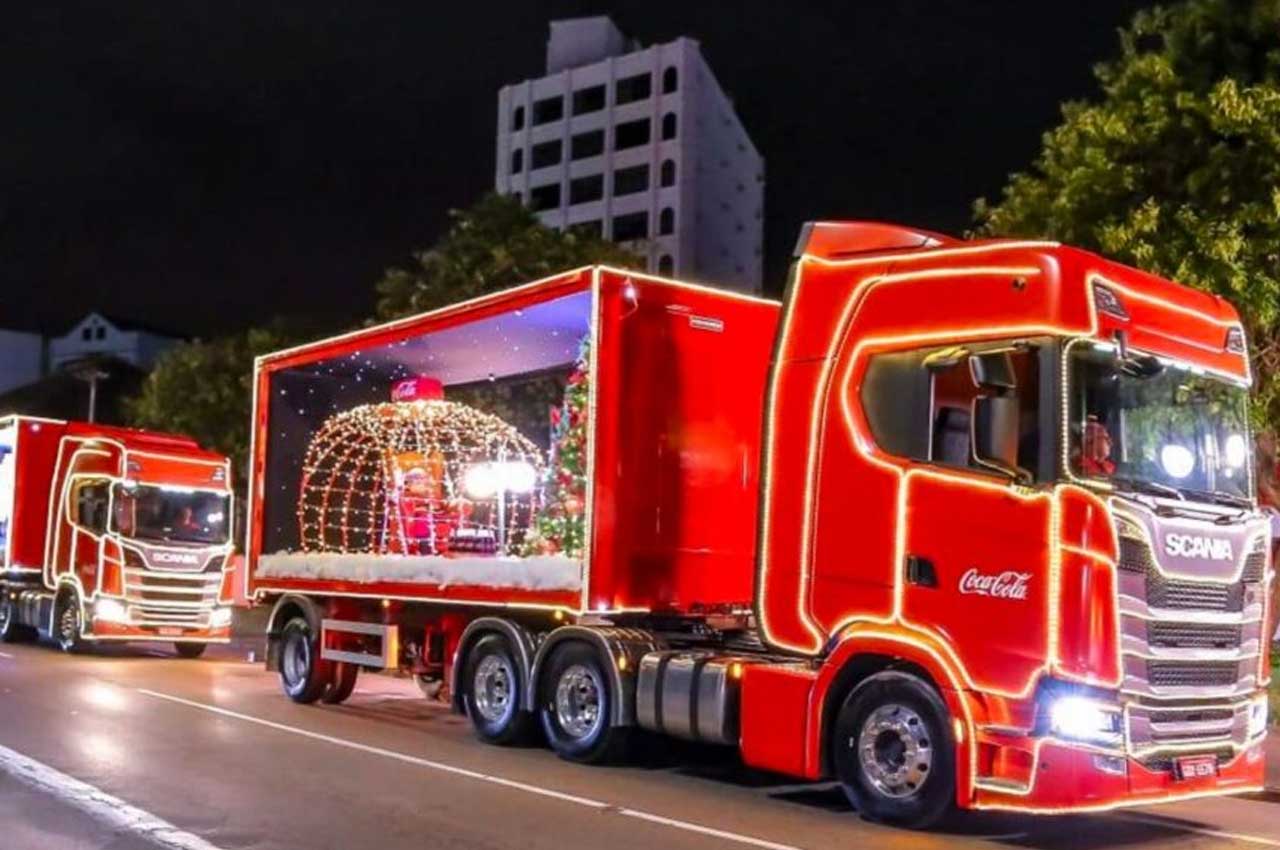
578,702
493,688
894,750
6,615
69,625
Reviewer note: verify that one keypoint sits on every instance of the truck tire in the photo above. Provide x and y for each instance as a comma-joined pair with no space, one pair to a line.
303,674
893,751
344,682
68,620
190,650
493,692
11,630
576,705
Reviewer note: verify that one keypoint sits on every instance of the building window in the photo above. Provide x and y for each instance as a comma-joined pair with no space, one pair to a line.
99,332
628,181
86,334
544,197
583,190
669,126
544,153
666,265
585,229
670,80
668,175
666,221
631,226
588,100
517,160
517,119
631,89
548,109
631,134
584,145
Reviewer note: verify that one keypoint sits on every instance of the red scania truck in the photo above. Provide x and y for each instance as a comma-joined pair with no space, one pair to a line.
960,524
112,534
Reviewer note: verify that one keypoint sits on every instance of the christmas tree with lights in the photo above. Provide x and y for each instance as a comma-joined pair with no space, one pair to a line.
560,527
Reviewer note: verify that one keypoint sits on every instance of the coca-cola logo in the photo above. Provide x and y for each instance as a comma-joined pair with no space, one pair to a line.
1005,585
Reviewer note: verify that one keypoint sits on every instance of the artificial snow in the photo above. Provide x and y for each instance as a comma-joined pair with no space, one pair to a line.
541,572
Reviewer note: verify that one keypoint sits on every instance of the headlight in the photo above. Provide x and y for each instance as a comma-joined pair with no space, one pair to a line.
110,611
1258,716
220,618
1080,718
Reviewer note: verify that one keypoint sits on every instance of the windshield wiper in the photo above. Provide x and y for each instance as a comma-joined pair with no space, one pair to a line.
1218,497
1142,485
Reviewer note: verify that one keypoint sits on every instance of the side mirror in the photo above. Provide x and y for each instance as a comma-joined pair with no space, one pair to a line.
995,435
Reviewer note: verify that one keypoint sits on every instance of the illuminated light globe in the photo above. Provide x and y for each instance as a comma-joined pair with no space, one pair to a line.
418,476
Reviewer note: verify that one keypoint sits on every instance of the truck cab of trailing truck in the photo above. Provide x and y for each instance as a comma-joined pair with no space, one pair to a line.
1026,471
134,531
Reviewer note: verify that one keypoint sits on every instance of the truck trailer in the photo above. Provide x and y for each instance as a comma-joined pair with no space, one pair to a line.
112,534
960,524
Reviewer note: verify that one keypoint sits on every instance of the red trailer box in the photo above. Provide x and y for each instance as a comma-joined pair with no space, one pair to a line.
676,367
112,534
961,524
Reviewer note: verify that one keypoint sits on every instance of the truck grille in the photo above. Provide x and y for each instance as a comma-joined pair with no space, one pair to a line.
171,599
1193,595
1193,635
1175,674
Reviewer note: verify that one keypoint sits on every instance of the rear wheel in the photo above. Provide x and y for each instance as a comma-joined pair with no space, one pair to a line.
493,692
190,650
893,751
303,674
344,682
576,707
68,621
11,630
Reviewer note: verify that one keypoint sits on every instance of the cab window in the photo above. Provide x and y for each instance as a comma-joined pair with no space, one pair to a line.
91,502
920,404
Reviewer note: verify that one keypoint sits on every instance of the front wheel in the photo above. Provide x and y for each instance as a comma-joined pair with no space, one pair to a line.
343,684
69,623
576,707
893,751
304,676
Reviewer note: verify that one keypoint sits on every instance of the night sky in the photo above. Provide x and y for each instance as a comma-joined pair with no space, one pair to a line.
202,166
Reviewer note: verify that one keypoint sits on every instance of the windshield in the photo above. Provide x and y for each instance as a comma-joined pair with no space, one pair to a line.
144,512
1159,428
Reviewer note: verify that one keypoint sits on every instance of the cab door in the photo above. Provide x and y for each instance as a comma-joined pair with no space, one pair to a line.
976,539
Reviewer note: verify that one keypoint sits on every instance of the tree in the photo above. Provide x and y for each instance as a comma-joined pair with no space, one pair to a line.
494,244
1176,169
204,390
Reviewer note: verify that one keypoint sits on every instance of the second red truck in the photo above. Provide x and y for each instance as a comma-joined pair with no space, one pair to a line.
960,524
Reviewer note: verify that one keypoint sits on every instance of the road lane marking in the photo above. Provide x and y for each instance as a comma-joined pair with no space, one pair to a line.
98,804
1156,820
5,655
599,805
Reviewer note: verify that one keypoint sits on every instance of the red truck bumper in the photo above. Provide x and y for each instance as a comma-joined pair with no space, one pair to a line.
1067,779
108,631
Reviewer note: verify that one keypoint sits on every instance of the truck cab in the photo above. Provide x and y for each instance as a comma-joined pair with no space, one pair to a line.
115,535
1073,554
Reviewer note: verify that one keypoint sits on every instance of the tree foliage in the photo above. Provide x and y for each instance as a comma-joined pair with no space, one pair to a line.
204,389
494,244
1176,169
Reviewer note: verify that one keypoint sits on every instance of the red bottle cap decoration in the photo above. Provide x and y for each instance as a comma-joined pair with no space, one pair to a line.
418,389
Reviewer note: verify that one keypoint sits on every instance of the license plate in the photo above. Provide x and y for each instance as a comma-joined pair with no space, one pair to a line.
1195,767
168,631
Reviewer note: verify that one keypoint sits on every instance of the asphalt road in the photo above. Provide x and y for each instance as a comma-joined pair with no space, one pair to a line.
131,748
